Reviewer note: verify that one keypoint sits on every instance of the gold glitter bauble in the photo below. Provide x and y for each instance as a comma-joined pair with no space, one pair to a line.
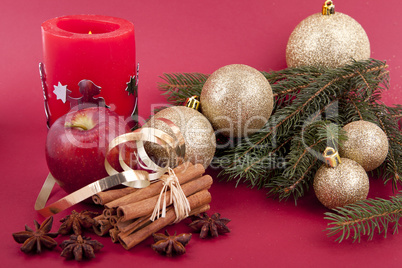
197,131
237,99
342,185
327,41
367,144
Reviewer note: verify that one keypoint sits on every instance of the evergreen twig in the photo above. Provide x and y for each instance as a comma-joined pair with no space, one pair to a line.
320,92
392,167
310,104
365,218
178,87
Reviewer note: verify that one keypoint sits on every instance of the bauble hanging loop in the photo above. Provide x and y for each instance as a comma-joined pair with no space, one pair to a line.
331,157
193,103
328,8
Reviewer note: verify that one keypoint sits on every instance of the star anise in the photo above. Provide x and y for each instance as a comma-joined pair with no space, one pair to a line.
210,225
79,247
34,240
76,221
170,245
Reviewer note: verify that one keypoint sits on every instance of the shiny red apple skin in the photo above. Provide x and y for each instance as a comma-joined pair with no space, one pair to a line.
75,157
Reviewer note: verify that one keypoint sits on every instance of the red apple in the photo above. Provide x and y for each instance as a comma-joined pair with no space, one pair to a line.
76,146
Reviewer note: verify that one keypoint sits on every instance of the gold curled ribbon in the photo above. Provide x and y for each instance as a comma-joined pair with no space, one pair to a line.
171,145
129,177
175,147
139,177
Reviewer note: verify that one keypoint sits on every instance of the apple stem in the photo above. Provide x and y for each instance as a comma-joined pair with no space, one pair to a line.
80,126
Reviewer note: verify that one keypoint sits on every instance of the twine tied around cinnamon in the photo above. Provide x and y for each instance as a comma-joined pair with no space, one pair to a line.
179,200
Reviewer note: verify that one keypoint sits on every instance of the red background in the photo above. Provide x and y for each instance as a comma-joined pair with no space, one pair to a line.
185,36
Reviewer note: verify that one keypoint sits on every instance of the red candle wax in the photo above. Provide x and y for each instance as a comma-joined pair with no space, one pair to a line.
93,47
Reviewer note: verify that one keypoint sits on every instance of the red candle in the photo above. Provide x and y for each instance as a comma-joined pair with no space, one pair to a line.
93,47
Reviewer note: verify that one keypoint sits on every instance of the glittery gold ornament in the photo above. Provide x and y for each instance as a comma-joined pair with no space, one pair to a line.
341,185
367,144
327,39
197,131
237,99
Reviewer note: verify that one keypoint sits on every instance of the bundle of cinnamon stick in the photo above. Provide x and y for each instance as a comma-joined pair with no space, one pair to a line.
127,211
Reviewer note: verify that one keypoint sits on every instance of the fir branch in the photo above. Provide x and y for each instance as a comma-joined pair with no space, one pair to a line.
275,157
392,166
297,185
268,156
311,106
322,93
327,111
178,87
321,90
365,218
293,74
357,109
283,187
303,157
298,181
254,169
290,90
287,83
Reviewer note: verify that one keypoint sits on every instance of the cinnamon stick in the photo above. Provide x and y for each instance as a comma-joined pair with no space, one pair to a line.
101,226
103,198
141,223
184,173
131,225
109,212
108,196
128,229
199,210
146,206
114,235
196,200
113,220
